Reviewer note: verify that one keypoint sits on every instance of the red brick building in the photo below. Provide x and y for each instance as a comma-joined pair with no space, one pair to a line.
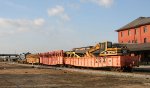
137,31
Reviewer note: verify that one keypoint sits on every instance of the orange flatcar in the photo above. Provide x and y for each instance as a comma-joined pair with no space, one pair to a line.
119,62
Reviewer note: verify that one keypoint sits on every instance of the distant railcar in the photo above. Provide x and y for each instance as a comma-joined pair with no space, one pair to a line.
52,58
33,59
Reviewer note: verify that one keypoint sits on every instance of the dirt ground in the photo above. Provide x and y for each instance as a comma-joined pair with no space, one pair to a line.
15,76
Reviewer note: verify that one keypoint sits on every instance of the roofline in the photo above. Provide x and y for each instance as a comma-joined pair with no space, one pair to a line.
131,27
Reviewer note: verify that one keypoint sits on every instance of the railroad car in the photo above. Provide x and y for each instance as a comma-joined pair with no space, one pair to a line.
107,56
118,62
33,59
52,58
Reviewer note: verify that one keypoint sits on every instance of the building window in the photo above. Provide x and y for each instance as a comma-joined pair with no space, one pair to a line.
129,41
135,31
122,42
136,41
121,34
132,41
145,40
145,29
128,32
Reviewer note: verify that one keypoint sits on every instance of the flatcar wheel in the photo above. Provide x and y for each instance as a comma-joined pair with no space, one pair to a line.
127,69
113,69
120,69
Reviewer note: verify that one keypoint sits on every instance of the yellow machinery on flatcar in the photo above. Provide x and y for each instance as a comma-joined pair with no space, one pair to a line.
107,49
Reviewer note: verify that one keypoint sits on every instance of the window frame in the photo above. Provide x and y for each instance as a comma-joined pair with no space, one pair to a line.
136,41
145,40
129,32
145,29
129,41
135,31
121,34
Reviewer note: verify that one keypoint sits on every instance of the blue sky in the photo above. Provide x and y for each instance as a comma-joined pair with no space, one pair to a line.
44,25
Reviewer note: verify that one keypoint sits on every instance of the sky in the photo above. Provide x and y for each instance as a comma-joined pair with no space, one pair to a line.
44,25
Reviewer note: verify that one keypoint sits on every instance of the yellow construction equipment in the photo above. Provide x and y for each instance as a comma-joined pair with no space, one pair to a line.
72,54
106,49
91,50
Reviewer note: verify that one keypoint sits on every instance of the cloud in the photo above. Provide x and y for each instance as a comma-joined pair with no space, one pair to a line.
39,21
21,22
36,35
13,26
104,3
59,11
65,17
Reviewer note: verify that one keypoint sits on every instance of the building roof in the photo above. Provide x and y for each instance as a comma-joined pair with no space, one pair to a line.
139,47
136,23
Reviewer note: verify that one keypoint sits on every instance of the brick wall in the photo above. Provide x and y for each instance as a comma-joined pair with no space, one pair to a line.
135,35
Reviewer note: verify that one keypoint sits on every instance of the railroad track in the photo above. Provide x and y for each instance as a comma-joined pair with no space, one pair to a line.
142,70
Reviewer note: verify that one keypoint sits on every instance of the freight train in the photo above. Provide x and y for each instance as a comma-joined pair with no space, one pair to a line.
103,55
